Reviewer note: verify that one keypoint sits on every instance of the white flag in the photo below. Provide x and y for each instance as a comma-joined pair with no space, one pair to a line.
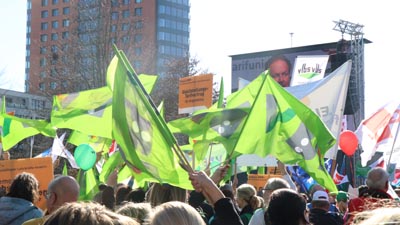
379,133
327,98
58,149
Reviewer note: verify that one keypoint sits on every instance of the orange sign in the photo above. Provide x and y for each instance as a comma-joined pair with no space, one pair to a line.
195,93
259,180
42,168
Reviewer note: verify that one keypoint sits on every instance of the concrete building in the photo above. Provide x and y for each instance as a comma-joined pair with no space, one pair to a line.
69,42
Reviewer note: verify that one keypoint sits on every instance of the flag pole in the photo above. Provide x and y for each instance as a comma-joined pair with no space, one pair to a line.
156,114
394,142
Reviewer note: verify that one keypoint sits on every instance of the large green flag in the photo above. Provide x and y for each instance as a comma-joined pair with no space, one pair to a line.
87,111
88,183
15,129
146,143
281,125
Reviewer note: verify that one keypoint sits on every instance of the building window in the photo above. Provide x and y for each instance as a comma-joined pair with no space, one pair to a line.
66,10
138,1
54,2
64,84
44,26
43,50
114,28
53,72
43,37
45,2
54,36
45,14
125,39
42,62
125,13
54,12
64,47
114,3
43,74
53,85
65,1
138,51
54,24
42,86
138,38
126,2
138,11
114,15
139,24
65,35
54,48
66,23
137,64
125,27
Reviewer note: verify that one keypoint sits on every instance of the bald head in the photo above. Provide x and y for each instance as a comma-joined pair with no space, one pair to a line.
62,189
377,178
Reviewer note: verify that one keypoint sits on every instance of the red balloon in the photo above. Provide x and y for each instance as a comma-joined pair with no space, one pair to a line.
348,142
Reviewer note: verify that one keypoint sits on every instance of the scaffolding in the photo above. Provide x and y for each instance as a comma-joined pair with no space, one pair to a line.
356,54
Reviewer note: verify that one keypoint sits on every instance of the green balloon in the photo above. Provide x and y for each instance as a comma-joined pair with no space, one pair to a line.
85,156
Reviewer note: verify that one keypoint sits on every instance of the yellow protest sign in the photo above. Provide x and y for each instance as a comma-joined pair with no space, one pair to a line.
42,168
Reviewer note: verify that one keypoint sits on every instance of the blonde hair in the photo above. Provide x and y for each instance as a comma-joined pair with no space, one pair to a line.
87,213
139,211
161,193
248,193
174,212
378,216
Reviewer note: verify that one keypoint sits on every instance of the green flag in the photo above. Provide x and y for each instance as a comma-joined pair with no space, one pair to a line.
87,111
281,125
88,183
99,144
145,141
15,129
65,169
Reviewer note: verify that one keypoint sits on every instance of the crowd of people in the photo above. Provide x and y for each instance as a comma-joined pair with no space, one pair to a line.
209,203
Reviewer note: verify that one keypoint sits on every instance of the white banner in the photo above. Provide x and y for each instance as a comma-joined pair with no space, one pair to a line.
327,98
308,68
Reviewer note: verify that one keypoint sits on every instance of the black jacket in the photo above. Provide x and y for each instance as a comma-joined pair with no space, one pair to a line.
322,217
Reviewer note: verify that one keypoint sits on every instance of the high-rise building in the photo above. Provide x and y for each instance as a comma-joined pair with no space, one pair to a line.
69,42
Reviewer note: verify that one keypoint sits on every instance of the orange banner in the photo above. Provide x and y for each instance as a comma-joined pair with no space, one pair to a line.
42,168
259,180
195,93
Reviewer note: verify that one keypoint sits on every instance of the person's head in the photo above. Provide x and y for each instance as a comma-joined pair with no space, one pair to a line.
87,213
246,194
174,212
272,185
25,186
139,211
136,195
314,188
378,178
161,193
227,190
60,190
121,193
286,207
106,196
341,201
320,200
279,68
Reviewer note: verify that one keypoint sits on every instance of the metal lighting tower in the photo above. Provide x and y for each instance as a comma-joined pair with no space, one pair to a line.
356,54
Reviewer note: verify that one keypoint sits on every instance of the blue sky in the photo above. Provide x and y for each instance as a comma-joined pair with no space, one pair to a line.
228,27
